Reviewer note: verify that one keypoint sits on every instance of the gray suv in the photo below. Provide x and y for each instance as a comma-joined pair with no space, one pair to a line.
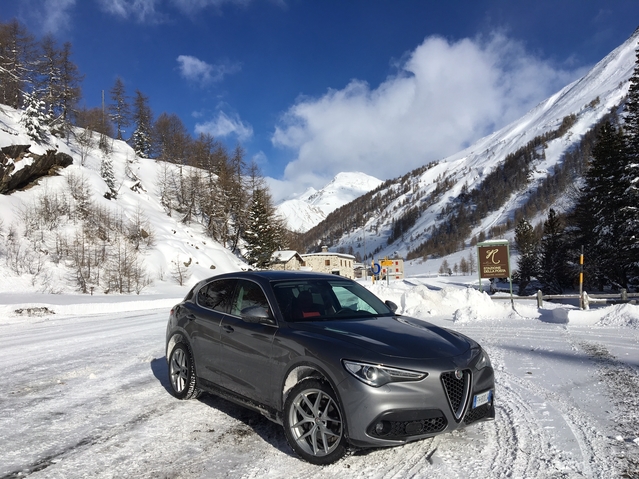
328,360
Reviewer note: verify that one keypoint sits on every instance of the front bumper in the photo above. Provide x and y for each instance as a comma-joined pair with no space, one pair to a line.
407,411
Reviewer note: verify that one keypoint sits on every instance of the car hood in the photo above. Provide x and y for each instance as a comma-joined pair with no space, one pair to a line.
394,336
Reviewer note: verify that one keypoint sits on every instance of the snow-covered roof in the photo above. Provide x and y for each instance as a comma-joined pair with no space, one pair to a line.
284,256
328,253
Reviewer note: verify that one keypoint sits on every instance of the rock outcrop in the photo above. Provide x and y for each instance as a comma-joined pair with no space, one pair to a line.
19,167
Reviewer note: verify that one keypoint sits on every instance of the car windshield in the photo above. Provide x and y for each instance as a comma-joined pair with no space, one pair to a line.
322,299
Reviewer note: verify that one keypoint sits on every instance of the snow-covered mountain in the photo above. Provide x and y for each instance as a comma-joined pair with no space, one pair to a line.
302,213
551,131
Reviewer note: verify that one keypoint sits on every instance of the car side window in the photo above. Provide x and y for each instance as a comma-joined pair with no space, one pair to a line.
348,300
217,295
248,294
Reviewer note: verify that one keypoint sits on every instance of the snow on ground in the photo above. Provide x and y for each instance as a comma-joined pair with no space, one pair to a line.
86,395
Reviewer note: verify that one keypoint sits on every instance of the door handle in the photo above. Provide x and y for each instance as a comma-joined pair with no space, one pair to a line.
227,328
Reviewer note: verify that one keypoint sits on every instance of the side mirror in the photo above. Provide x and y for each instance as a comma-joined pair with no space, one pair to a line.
257,314
392,306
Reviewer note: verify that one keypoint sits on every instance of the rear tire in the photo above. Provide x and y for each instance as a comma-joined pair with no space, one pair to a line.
313,422
182,372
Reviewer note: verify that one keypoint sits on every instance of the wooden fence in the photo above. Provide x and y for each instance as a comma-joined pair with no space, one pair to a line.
585,299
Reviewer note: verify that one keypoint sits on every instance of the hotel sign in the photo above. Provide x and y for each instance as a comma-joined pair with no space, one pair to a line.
494,261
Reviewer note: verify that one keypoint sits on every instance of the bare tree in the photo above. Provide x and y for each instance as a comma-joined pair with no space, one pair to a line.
179,270
17,62
172,142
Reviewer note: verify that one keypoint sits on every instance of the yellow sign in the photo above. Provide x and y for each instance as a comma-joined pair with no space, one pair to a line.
386,262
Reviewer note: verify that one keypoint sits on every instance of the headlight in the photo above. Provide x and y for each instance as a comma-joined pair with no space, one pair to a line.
376,375
483,360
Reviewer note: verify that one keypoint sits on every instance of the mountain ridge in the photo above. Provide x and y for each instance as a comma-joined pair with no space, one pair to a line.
312,207
422,201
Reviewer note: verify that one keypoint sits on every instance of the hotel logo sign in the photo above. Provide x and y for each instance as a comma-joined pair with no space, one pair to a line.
493,260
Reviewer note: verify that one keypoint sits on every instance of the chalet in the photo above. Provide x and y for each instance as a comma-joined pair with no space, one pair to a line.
286,260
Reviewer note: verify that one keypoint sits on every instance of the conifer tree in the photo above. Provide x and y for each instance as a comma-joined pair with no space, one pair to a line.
106,171
629,214
600,213
260,235
119,110
528,264
553,272
142,118
33,117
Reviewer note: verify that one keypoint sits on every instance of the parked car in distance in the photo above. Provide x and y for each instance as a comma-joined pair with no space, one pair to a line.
328,360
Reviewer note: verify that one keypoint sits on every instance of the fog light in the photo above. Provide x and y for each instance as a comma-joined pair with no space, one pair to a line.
382,428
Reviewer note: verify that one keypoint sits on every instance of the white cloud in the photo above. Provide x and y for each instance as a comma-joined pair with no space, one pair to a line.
260,158
444,97
199,71
224,126
50,16
56,14
143,11
193,6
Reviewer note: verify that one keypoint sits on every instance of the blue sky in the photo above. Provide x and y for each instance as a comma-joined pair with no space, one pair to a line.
310,88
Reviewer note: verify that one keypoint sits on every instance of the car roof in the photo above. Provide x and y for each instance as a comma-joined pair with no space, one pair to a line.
273,275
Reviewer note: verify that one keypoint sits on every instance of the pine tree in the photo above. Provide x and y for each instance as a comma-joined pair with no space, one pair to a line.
142,118
601,209
33,117
629,212
261,234
119,110
106,171
553,272
528,264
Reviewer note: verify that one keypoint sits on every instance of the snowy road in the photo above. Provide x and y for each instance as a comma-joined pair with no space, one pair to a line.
86,396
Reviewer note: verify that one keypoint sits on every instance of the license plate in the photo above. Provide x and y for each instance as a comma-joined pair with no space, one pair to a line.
481,399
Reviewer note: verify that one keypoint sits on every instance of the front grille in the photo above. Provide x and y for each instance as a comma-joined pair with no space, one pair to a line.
406,429
476,414
457,391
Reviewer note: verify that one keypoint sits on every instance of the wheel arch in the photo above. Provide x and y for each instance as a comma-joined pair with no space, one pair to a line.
176,337
305,370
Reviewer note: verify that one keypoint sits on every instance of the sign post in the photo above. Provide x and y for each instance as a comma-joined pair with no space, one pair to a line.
375,269
494,262
387,263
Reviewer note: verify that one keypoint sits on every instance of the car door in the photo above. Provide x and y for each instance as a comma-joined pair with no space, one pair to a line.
212,304
247,346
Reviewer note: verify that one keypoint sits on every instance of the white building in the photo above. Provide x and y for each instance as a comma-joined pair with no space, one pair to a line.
332,263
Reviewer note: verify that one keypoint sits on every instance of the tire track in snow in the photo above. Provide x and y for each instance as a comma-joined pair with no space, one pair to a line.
514,395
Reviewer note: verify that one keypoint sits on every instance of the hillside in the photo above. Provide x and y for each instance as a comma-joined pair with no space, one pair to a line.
63,235
521,170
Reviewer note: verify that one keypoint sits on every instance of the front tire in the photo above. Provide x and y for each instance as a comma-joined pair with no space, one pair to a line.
313,422
182,372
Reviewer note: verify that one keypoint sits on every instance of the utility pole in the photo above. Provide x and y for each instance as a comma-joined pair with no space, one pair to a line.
581,278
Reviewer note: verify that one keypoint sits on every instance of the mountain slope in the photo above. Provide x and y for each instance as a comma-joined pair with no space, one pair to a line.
63,235
431,201
302,213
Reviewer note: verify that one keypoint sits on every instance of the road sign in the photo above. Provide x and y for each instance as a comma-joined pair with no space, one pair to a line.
376,268
386,262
